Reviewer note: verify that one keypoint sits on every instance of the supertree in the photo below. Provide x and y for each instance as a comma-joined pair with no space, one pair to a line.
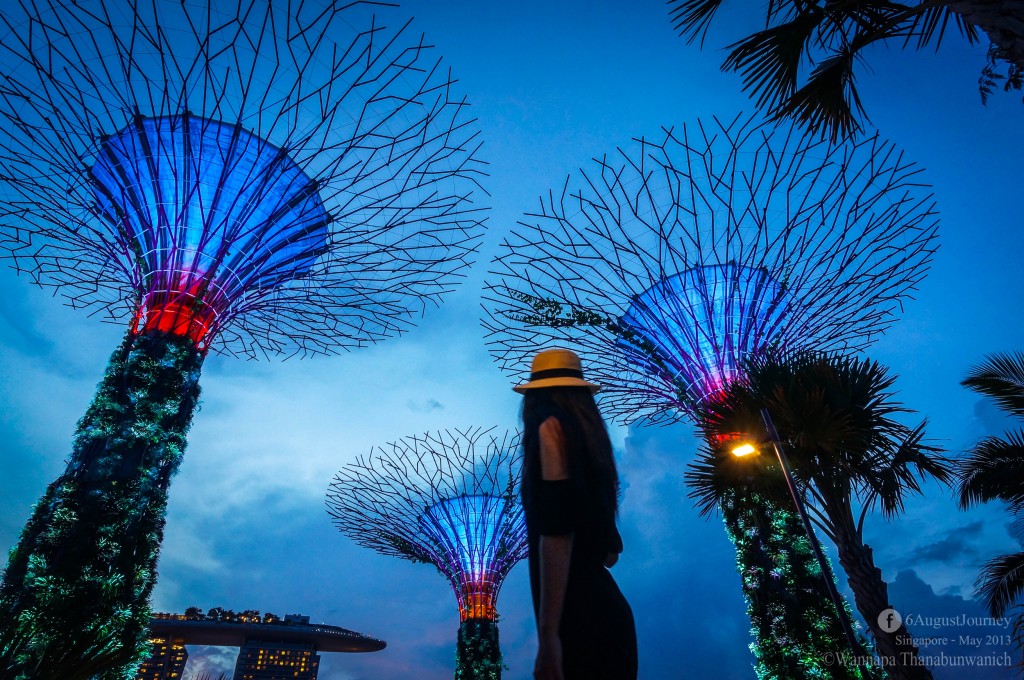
450,499
251,178
671,261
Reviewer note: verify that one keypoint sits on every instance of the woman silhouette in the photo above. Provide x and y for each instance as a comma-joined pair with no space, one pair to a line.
570,489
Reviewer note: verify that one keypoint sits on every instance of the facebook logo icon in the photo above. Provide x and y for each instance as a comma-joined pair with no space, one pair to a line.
890,620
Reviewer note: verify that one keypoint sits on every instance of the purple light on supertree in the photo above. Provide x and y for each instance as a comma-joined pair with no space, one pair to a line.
466,531
670,261
247,178
703,322
450,499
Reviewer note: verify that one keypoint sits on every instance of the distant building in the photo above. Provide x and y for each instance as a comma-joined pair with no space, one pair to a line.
270,659
270,648
166,662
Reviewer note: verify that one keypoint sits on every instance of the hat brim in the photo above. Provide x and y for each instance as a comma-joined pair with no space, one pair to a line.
555,382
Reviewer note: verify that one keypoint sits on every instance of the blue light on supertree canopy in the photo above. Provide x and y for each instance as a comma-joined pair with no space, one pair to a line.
449,499
468,533
216,216
237,178
702,323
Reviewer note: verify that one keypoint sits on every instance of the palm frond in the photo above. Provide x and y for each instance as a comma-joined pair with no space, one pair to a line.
706,486
769,60
836,416
716,473
1001,582
929,23
1018,629
902,470
872,21
1000,376
994,470
691,18
828,103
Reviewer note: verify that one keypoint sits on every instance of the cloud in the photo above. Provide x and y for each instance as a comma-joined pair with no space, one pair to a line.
955,633
992,420
424,405
959,544
678,570
212,662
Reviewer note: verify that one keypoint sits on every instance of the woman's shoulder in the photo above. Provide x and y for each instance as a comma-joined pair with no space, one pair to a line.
552,427
554,459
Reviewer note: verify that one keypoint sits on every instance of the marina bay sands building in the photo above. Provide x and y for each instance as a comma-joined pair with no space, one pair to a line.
166,662
270,648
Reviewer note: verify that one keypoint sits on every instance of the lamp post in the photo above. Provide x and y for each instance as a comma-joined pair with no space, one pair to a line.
747,449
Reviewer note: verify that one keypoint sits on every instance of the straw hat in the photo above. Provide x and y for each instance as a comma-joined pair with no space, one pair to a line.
555,367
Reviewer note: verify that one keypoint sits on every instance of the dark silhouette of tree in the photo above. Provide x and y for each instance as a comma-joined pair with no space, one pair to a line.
994,470
803,64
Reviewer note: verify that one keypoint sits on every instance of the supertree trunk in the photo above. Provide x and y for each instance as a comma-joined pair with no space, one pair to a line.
74,599
478,656
798,633
871,593
1001,20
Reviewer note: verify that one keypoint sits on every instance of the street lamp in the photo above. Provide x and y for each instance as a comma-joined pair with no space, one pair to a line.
746,449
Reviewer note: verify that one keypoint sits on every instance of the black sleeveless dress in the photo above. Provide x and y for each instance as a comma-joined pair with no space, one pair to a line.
597,631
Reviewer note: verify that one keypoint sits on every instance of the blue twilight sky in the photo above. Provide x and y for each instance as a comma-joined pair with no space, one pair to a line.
553,84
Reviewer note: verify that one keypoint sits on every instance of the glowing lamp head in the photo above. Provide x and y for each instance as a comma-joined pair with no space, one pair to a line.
694,328
745,449
472,537
217,219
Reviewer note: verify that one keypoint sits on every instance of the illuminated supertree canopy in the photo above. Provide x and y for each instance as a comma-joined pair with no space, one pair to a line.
669,261
450,499
702,321
250,178
292,177
217,217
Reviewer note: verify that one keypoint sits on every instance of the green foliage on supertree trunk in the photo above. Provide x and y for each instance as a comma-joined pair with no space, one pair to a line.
478,656
74,602
797,630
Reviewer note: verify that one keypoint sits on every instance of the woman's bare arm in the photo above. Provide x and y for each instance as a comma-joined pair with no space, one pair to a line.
555,555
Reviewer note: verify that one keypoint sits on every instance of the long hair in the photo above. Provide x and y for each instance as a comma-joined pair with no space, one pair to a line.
589,447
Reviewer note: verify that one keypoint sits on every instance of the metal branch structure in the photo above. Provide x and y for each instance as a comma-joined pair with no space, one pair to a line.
450,499
263,177
248,178
671,260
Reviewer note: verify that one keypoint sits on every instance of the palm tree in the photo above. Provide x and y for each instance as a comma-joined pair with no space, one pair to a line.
835,416
994,470
802,65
